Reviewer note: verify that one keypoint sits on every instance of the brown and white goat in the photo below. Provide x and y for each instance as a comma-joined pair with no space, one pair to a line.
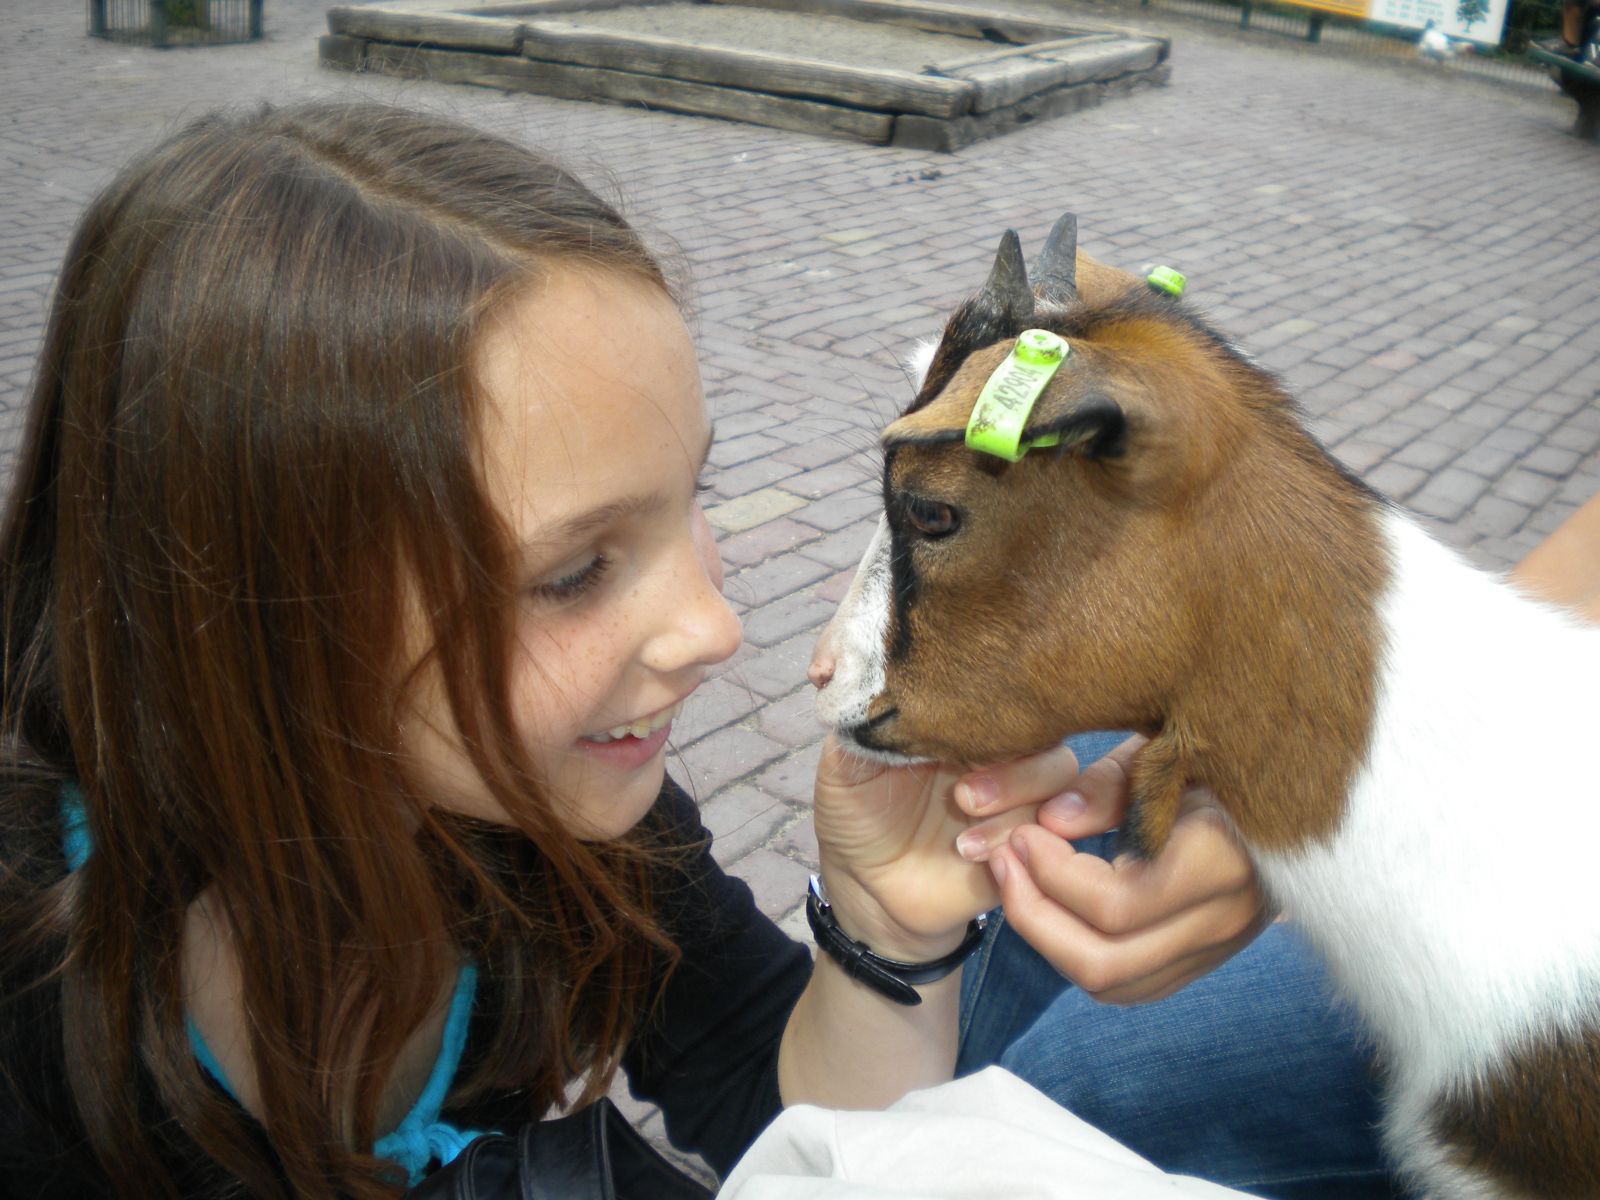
1400,740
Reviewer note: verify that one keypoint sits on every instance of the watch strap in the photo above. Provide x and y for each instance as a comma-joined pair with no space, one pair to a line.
886,976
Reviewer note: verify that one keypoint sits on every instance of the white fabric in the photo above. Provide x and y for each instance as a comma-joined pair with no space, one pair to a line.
989,1136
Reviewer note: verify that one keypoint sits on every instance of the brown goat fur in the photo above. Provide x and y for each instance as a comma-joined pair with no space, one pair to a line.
1144,649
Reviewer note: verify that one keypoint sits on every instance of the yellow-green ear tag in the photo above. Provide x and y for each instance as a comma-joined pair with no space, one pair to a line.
1003,407
1165,279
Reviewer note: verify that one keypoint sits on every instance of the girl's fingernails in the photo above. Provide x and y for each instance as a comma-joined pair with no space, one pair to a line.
978,793
1019,847
972,846
998,866
1065,807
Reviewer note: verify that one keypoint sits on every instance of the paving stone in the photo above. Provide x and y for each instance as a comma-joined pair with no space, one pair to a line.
763,541
792,719
715,703
826,480
742,818
722,757
766,581
786,616
778,883
1396,479
793,778
747,512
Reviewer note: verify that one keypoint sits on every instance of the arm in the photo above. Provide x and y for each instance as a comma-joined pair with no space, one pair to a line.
1565,568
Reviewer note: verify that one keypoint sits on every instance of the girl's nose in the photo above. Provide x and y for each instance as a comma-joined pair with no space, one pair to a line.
698,626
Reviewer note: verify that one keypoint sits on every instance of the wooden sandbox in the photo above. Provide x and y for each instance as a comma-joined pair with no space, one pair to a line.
914,73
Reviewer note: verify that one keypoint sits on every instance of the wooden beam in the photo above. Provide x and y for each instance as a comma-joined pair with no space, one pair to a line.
879,88
1104,61
395,24
964,20
346,53
571,82
1003,82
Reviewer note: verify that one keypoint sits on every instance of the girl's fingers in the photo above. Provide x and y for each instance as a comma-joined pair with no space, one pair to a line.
1126,968
1030,780
1201,862
1097,800
977,841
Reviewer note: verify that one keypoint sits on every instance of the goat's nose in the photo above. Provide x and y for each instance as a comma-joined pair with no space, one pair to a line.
823,660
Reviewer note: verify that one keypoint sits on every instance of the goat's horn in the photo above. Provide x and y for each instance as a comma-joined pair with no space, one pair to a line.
1005,293
1056,269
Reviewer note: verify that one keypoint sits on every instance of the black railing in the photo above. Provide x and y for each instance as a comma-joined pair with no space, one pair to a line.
176,22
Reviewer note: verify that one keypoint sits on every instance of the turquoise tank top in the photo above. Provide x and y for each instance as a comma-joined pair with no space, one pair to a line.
421,1137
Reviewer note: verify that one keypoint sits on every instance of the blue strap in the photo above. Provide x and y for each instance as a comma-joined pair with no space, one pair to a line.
421,1137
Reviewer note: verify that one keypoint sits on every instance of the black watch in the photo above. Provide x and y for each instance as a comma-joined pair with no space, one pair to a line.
886,976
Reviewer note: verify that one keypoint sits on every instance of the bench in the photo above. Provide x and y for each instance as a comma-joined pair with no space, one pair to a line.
1579,80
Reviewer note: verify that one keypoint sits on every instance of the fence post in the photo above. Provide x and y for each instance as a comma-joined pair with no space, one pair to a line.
255,20
158,22
1314,28
1244,15
97,18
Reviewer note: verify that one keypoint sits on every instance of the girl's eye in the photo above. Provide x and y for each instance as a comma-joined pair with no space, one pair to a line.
701,487
931,518
571,586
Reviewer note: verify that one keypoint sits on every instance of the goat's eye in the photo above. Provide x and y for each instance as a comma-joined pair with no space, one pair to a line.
931,518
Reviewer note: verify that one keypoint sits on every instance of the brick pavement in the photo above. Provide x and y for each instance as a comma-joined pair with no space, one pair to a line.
1404,247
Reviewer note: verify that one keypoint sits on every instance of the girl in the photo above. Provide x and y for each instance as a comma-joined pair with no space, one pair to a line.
352,576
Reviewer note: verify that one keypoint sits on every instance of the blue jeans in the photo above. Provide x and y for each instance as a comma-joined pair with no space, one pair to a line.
1251,1076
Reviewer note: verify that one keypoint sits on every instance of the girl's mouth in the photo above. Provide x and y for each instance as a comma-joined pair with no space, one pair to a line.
634,744
637,729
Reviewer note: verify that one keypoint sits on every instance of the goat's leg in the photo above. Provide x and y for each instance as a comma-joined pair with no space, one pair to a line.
1156,787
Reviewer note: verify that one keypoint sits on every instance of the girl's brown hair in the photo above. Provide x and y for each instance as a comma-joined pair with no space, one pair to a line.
250,454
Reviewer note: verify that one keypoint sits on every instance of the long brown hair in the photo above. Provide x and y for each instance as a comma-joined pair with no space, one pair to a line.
250,448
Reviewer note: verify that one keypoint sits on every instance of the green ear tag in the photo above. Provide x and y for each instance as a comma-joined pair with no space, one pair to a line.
1006,401
1165,279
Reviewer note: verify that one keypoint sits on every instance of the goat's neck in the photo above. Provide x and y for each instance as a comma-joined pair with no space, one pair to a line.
1276,706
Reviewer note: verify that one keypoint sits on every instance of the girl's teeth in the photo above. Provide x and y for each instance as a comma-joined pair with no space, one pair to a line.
637,729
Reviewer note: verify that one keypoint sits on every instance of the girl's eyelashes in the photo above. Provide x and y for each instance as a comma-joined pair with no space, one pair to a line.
575,584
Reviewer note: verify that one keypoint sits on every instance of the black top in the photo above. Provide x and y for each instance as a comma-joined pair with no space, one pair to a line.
709,1057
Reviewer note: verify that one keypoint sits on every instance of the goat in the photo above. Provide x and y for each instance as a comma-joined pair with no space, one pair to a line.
1190,563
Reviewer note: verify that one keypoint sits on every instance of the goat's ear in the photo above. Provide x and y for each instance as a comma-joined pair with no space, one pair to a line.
1094,425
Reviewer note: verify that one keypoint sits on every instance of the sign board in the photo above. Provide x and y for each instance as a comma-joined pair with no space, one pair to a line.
1415,14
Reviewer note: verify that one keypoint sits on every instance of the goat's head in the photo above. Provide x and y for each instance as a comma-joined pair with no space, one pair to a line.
1004,605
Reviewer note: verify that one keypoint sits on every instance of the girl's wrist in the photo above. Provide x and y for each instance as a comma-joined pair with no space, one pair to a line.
864,919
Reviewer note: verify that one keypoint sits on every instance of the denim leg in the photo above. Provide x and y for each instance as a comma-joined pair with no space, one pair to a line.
1251,1076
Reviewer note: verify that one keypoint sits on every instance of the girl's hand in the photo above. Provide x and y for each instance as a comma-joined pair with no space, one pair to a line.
887,838
1126,931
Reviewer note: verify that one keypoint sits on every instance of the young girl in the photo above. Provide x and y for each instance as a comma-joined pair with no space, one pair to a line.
352,576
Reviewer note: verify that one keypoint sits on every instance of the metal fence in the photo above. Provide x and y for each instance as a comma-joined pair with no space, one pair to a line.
1526,21
176,22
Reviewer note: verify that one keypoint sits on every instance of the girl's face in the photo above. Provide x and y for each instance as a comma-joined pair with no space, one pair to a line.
595,436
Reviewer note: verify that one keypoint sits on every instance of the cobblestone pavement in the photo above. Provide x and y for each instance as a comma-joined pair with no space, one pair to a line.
1411,251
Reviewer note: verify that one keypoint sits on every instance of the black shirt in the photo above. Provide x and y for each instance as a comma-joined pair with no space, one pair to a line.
708,1056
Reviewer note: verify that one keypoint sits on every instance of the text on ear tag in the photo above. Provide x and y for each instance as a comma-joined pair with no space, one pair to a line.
1007,399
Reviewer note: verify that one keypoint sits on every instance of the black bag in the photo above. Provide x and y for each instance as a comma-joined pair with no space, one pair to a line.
592,1154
